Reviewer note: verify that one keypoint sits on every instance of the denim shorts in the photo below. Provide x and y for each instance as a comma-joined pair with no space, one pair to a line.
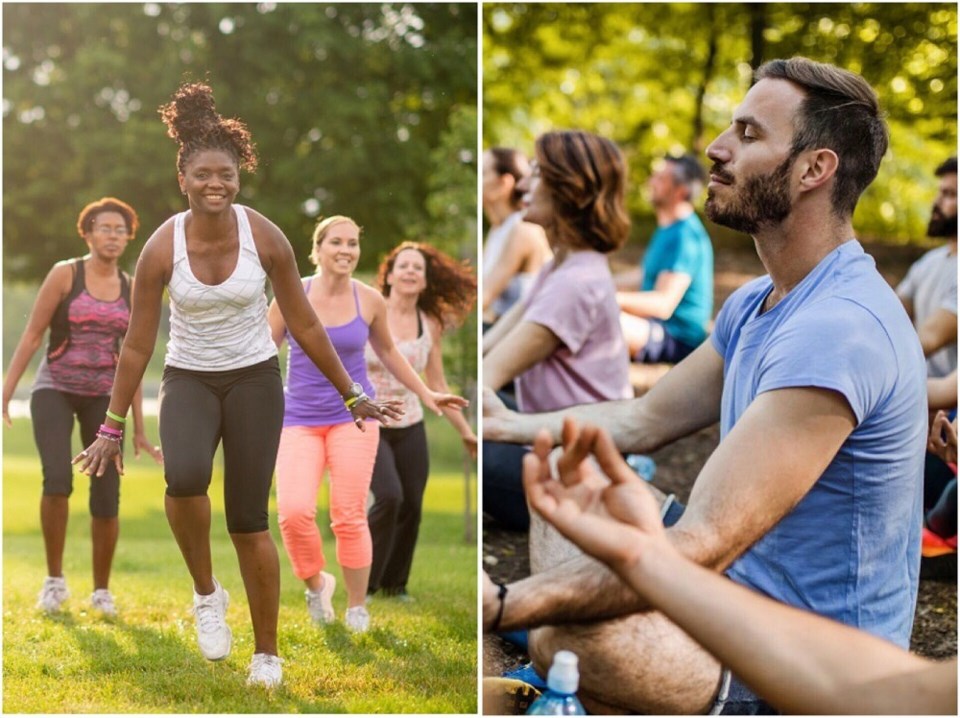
662,347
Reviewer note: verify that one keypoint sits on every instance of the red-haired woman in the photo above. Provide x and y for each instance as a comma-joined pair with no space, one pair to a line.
426,292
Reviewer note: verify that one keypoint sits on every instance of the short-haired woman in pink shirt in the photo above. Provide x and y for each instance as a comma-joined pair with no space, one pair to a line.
562,345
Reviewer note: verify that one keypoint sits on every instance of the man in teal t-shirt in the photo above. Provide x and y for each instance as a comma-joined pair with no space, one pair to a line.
668,318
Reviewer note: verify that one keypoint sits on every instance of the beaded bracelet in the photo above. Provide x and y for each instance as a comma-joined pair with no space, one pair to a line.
110,437
116,418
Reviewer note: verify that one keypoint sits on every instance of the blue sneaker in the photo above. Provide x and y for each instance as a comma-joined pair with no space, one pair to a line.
529,675
516,638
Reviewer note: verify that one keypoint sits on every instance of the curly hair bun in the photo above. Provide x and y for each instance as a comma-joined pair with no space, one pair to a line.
192,120
191,113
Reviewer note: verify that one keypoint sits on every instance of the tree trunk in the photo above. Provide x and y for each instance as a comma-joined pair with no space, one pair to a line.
696,145
758,23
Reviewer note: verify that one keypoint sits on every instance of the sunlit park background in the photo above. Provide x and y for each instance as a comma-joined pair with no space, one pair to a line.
660,78
367,110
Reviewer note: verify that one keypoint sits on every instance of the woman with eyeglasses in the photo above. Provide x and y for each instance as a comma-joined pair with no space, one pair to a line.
85,302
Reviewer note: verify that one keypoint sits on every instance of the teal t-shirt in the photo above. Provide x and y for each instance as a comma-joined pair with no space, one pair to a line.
684,247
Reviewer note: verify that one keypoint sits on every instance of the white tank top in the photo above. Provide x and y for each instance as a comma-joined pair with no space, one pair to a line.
221,327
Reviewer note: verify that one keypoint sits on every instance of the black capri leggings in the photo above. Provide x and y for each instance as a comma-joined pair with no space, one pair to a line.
243,408
399,480
52,412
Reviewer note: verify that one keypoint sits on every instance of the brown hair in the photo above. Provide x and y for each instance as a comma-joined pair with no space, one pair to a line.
323,227
508,161
841,113
451,286
586,177
88,215
192,120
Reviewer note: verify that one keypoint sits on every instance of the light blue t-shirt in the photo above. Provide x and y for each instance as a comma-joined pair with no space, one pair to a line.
850,549
684,247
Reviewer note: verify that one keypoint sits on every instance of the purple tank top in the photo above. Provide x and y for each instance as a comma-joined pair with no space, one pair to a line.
311,400
83,360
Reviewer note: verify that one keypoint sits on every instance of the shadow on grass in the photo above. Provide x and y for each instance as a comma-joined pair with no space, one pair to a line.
163,673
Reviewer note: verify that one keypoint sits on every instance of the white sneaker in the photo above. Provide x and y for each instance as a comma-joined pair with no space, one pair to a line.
53,594
265,671
213,633
103,602
357,619
320,604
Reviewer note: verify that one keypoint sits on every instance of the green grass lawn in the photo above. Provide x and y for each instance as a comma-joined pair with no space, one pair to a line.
419,657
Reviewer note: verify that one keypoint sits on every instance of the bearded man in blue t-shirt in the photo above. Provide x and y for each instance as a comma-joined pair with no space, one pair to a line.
813,496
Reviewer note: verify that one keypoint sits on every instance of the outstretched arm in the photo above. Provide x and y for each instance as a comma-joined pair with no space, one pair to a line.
55,287
437,381
661,301
386,350
813,665
937,331
778,449
685,400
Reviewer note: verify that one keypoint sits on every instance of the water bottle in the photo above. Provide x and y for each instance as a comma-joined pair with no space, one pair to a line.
643,465
560,698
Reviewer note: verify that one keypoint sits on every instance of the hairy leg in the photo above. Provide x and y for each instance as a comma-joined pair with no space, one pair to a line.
641,663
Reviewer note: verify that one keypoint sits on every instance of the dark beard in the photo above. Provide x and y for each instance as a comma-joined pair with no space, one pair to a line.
941,226
764,200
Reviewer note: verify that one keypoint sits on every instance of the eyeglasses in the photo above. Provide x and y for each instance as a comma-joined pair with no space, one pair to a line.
105,230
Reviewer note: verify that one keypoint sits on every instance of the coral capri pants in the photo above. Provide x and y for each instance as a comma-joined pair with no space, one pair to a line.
305,451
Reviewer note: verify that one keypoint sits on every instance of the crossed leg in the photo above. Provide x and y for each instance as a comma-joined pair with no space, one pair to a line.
638,663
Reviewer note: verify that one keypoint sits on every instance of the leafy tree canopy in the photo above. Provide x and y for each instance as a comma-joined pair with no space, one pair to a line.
348,104
665,78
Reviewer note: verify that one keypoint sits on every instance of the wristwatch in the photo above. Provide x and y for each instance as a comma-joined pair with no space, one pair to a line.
354,395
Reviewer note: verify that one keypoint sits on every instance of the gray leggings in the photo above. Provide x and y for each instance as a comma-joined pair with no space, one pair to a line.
243,408
52,412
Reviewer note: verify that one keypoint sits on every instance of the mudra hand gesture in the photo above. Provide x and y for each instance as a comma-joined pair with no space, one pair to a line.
611,515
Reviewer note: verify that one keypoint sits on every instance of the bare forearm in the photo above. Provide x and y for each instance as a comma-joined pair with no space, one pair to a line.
577,591
26,348
137,410
458,421
126,384
814,665
623,419
645,304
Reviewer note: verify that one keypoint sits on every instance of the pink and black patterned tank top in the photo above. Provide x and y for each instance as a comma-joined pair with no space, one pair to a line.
85,338
388,387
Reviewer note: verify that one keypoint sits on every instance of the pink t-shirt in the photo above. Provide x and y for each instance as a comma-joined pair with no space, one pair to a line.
576,302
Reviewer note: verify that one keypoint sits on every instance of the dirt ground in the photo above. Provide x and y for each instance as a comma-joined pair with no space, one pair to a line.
505,552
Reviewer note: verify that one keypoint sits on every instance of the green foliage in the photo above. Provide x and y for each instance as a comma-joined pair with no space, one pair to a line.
345,101
661,78
417,658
